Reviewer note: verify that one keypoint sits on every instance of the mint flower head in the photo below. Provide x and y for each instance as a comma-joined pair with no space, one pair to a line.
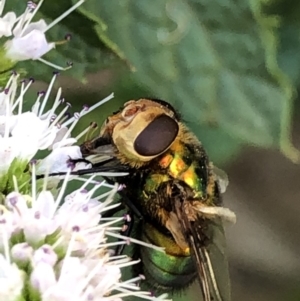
25,38
53,244
23,134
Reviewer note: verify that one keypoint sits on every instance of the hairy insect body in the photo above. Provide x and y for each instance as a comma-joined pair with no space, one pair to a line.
174,190
184,169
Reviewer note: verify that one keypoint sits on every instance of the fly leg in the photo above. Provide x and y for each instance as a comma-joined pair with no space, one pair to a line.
126,231
97,168
129,217
126,200
133,209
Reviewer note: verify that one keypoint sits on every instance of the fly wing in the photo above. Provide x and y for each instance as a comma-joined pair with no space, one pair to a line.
103,158
211,262
216,252
221,177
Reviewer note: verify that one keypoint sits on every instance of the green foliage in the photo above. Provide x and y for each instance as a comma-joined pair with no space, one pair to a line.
16,169
230,67
215,60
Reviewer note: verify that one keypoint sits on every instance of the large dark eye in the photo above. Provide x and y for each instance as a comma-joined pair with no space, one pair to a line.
157,136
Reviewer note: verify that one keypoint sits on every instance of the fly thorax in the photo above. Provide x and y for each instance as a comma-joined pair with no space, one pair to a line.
182,165
153,182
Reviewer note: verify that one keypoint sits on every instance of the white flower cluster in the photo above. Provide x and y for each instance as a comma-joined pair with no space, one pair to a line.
23,134
27,40
54,247
57,253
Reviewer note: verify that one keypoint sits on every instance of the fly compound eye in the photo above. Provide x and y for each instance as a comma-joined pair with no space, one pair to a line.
157,136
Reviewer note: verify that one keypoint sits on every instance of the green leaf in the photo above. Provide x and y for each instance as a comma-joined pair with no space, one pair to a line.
215,60
289,52
219,145
289,36
289,10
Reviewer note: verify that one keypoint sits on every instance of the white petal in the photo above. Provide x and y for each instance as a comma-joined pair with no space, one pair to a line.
44,254
58,160
7,23
2,103
8,151
21,21
46,139
28,124
27,148
23,148
60,134
58,293
35,230
36,226
16,200
69,285
5,121
22,252
42,277
40,25
31,46
7,226
29,127
72,270
106,278
12,281
45,204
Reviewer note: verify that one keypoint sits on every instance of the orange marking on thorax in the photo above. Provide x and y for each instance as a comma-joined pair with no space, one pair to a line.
166,161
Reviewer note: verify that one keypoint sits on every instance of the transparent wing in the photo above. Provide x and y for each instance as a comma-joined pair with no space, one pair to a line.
216,255
207,243
98,158
222,178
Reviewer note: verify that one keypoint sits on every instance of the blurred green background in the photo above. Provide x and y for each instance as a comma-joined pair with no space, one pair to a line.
232,69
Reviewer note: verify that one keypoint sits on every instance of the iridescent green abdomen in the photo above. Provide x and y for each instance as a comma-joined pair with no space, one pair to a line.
165,271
